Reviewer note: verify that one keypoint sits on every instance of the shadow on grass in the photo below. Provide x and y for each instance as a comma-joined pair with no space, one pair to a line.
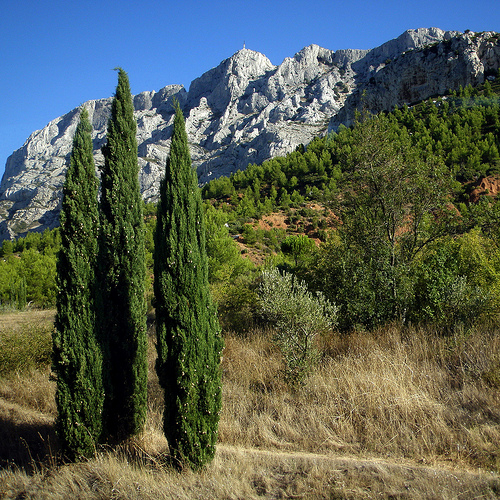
26,445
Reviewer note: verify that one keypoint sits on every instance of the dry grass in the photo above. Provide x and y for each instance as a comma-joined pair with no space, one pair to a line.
380,394
237,474
16,320
33,390
391,414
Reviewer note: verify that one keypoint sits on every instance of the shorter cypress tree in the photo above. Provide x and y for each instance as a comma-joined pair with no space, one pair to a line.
77,356
188,335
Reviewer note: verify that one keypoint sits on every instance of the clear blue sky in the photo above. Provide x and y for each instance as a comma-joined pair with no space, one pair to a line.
55,55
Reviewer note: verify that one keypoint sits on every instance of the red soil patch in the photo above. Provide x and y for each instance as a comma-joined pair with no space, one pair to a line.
276,220
487,186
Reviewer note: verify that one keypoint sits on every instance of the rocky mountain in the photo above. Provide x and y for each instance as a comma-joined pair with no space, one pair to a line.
247,110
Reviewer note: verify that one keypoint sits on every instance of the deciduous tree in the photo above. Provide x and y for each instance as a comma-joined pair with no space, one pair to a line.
393,205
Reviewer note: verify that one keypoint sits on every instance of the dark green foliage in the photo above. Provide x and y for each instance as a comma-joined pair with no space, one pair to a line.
219,188
7,248
122,319
460,131
188,334
77,356
224,259
249,234
47,242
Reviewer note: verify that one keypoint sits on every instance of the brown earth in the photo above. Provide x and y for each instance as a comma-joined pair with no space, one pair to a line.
280,220
487,186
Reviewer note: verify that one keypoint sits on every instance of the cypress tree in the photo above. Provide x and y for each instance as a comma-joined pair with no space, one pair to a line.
122,318
77,357
189,344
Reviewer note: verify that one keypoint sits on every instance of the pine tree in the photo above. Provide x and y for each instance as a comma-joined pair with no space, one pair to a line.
188,335
77,357
122,319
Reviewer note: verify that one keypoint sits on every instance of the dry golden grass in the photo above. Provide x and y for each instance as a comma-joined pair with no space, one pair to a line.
33,390
392,414
16,320
238,474
378,394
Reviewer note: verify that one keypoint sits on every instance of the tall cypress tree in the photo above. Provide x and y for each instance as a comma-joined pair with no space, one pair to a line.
188,335
77,357
122,318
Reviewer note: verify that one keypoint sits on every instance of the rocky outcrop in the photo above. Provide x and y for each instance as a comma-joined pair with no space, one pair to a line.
425,71
247,110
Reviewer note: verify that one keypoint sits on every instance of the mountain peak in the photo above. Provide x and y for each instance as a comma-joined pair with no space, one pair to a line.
246,110
219,84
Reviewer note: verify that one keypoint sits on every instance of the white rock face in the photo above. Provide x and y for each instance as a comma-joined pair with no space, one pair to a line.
247,110
425,71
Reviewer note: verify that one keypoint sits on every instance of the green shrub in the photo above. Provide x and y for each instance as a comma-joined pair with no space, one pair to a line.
298,316
300,248
21,351
249,234
457,281
237,303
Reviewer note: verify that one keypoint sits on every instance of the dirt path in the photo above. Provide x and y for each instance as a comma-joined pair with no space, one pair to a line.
354,477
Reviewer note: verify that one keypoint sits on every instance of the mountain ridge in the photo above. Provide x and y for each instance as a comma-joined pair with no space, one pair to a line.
246,110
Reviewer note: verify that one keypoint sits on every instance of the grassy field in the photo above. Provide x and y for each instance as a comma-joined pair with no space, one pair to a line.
389,414
17,320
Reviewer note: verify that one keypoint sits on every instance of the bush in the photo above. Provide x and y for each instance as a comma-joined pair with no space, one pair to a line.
21,351
249,235
237,303
298,316
300,248
457,281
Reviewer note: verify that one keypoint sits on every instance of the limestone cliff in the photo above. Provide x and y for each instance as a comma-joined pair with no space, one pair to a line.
247,110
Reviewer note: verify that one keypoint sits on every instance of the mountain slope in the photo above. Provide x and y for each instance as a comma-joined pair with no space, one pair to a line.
247,110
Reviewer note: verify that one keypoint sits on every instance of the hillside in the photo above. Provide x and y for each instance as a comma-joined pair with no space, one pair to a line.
449,162
247,110
389,230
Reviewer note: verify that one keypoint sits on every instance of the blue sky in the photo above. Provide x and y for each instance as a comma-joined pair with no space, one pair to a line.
55,55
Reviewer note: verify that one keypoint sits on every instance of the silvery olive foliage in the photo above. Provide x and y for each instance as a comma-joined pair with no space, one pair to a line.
298,316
